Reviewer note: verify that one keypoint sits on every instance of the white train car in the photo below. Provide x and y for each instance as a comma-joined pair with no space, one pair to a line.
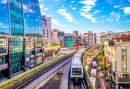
76,71
94,64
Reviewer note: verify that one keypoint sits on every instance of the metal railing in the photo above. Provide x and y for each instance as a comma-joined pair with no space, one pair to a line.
88,79
86,74
19,78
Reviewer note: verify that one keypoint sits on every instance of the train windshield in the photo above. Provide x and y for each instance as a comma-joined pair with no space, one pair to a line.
76,71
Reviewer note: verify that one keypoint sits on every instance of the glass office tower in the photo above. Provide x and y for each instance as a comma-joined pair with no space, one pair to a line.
32,18
16,27
19,20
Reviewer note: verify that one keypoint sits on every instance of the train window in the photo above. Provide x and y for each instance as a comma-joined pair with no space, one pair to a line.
76,71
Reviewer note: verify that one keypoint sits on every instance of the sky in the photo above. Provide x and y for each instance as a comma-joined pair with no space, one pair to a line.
87,15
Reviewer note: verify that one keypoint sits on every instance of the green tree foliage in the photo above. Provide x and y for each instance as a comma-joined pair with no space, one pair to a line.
103,77
104,68
107,80
100,57
101,63
100,52
62,46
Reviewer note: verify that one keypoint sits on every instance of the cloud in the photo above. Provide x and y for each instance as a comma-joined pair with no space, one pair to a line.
129,0
109,1
126,10
26,9
55,21
59,1
114,16
3,1
45,9
97,11
88,5
88,2
66,15
3,26
40,0
116,6
72,7
102,16
72,1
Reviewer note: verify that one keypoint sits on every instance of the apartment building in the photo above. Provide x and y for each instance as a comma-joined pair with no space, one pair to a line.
75,33
117,52
98,38
46,26
89,38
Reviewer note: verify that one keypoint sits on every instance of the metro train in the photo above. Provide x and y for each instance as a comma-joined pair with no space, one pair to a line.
76,70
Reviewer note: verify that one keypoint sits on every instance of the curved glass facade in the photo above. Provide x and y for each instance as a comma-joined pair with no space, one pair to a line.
16,23
4,17
32,18
19,19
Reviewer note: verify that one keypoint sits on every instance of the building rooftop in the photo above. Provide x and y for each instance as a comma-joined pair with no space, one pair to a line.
124,37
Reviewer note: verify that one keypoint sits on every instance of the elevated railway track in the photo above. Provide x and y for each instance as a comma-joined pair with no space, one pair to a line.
33,77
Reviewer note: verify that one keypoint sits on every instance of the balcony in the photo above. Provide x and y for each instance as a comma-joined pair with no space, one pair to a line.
3,66
122,77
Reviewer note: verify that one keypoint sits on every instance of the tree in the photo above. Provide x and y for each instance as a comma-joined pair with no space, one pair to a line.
101,63
104,68
100,57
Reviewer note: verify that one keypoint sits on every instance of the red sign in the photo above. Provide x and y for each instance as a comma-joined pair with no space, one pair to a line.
24,40
81,44
105,61
75,45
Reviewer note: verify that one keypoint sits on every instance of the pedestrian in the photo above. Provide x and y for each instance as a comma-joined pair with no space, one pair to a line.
99,85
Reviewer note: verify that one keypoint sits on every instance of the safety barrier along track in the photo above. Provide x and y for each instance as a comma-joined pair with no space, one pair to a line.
86,76
17,80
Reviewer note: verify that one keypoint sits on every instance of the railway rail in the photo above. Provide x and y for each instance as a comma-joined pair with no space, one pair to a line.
80,86
30,79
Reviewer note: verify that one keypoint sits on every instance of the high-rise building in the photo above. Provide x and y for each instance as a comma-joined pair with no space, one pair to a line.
68,41
46,23
98,38
20,36
75,33
89,38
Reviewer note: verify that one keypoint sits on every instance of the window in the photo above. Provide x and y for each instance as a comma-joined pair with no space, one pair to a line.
124,59
3,44
2,59
76,71
1,74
